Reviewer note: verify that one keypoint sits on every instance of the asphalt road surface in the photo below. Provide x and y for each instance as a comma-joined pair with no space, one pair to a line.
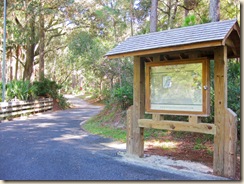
52,146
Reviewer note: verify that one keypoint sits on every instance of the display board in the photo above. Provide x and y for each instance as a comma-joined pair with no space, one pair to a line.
178,87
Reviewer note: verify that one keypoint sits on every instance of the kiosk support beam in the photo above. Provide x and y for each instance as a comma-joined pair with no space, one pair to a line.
135,137
224,119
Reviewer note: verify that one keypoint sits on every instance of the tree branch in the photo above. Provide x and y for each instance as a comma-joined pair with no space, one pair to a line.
18,23
182,6
53,36
165,12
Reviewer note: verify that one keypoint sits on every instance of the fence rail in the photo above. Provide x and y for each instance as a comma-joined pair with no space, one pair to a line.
8,109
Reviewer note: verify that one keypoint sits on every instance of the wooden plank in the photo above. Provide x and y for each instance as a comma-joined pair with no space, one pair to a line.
231,44
206,93
23,107
25,111
147,89
129,129
194,119
168,49
156,58
136,145
17,108
220,105
206,128
9,104
157,117
230,144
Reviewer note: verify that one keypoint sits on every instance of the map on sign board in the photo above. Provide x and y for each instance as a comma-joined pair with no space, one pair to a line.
176,87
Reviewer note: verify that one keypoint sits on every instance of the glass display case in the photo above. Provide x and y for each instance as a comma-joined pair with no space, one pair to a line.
178,87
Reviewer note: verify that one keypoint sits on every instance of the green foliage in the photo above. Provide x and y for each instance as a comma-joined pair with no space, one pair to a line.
1,91
234,91
48,88
101,124
22,90
96,128
81,43
199,145
62,102
123,95
190,20
148,133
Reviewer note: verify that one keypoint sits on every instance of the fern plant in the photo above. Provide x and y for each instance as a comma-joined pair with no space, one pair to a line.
22,90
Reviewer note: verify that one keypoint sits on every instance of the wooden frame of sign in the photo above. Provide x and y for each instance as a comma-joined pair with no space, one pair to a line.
180,87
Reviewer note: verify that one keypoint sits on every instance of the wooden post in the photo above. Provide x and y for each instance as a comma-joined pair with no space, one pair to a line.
230,144
129,130
224,163
220,104
136,141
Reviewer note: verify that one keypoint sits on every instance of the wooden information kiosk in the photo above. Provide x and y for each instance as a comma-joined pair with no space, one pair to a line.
171,77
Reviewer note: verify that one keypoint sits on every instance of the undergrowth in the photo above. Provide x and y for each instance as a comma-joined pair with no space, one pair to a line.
111,123
108,123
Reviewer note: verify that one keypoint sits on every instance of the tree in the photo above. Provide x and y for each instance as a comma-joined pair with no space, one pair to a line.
31,40
42,41
33,33
153,16
214,10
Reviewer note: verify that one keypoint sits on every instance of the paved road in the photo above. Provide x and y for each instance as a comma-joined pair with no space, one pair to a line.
52,146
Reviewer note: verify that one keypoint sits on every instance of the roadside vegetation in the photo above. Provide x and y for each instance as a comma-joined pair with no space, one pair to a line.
19,90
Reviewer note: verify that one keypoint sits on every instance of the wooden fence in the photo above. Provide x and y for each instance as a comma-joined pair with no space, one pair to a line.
9,109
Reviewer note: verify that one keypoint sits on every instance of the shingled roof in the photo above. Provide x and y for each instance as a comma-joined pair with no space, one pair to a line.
208,35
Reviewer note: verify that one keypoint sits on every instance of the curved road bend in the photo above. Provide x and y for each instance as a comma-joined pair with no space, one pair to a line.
51,146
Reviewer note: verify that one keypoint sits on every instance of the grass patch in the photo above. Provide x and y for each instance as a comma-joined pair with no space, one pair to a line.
153,133
102,124
95,127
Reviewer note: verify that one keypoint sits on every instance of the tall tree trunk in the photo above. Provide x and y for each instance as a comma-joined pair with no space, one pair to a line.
172,15
186,8
42,43
30,48
131,16
214,10
16,62
73,80
153,16
10,65
169,13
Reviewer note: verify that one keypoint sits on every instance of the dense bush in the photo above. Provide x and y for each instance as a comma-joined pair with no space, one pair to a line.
123,95
48,88
24,90
234,91
21,90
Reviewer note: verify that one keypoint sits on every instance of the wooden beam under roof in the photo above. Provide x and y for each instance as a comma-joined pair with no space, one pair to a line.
168,49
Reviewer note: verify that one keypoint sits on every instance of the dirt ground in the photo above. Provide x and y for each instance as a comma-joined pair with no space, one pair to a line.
186,147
